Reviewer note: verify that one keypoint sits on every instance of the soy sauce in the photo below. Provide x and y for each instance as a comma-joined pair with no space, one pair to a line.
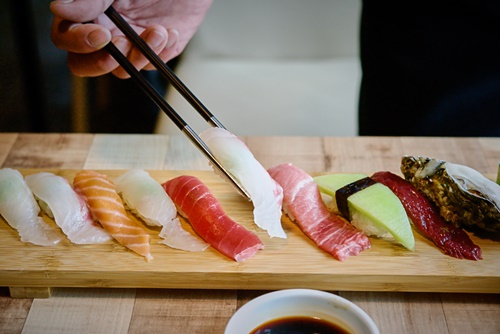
299,325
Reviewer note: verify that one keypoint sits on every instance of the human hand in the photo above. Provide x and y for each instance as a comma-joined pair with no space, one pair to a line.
166,25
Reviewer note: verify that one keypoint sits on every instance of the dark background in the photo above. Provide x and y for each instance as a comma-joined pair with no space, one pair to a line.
36,86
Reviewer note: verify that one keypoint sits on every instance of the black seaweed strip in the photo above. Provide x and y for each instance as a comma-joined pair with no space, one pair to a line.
342,194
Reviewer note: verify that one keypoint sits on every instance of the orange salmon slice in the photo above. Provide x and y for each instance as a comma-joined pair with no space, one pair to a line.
107,207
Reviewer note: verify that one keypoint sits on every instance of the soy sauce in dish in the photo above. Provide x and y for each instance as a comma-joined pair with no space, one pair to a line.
299,325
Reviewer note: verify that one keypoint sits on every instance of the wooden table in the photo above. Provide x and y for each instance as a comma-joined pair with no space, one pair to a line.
126,310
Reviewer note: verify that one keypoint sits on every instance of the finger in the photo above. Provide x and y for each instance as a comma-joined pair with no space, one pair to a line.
170,51
77,37
79,10
156,37
173,38
97,63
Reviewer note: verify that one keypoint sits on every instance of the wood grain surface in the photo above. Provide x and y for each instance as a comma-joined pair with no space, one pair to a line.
284,263
144,310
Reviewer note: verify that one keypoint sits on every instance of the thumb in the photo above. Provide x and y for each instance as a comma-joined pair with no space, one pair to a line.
79,10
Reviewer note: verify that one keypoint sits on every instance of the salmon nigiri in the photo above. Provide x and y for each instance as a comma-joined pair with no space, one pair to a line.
107,207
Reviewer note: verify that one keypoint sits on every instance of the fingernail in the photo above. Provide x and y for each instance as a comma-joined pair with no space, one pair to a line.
173,36
155,38
98,38
62,1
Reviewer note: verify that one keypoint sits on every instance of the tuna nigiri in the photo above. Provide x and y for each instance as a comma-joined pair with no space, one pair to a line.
209,220
58,199
265,193
303,203
453,240
147,198
20,209
107,207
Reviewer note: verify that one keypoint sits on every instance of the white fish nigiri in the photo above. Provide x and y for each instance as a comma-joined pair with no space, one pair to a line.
20,209
265,193
145,197
59,201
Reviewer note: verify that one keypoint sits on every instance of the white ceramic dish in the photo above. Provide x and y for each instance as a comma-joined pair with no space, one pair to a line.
301,302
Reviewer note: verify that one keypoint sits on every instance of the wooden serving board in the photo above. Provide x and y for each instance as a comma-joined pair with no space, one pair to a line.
294,262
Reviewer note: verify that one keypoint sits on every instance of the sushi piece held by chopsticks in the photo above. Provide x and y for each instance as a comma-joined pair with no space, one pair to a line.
265,193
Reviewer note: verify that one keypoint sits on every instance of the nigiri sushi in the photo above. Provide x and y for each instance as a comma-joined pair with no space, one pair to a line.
20,209
265,193
370,206
58,199
107,207
209,220
453,240
303,203
147,198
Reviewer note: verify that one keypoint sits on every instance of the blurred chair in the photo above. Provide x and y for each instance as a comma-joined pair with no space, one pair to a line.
279,67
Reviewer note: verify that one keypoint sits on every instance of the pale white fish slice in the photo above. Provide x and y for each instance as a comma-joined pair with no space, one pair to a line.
265,193
146,198
20,209
58,199
175,236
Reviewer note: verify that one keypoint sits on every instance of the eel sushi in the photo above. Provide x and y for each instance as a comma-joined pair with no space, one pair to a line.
303,203
454,241
265,193
107,207
208,219
146,198
19,208
60,202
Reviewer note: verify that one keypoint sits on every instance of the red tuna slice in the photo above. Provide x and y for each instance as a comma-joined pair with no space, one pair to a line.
209,220
452,240
302,202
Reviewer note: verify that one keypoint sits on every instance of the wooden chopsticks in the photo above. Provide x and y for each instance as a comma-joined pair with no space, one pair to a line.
153,94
